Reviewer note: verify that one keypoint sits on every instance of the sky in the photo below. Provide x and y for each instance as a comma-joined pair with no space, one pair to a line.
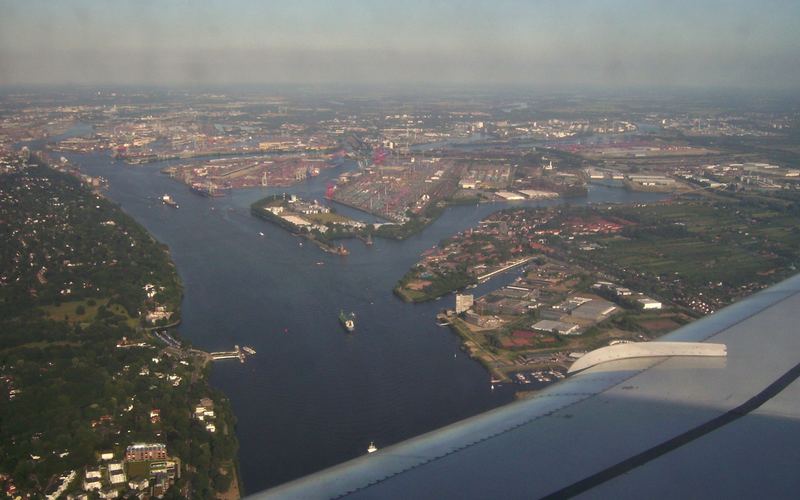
603,43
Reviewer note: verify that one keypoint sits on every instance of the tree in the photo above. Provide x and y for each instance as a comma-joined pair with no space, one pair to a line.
221,481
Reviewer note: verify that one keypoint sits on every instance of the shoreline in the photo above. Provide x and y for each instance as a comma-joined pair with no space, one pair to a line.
233,492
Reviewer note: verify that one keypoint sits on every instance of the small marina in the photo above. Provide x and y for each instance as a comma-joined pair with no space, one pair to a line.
540,376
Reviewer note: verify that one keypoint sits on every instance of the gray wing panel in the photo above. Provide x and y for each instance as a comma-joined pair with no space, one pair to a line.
755,456
591,423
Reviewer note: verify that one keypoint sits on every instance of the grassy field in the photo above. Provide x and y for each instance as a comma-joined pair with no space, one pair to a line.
409,295
68,311
695,260
727,242
138,470
40,345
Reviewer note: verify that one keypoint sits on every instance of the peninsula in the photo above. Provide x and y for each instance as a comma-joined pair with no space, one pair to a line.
602,274
310,219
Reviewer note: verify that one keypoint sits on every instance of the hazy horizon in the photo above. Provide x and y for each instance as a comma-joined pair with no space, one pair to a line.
610,43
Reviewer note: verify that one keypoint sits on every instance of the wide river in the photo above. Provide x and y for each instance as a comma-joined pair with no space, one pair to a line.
313,396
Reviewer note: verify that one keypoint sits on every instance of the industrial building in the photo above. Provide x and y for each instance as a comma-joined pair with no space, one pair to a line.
651,180
509,196
536,194
559,327
594,310
648,303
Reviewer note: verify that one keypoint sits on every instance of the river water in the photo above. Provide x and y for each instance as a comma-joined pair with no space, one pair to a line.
313,396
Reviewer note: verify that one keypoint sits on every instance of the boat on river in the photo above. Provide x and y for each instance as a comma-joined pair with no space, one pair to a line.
348,321
167,200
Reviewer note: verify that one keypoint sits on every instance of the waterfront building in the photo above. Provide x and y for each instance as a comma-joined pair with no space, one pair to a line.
463,302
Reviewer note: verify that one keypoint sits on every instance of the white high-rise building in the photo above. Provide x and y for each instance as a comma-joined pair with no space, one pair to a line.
463,303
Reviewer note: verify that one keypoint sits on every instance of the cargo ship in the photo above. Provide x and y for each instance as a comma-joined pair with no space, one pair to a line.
348,321
209,190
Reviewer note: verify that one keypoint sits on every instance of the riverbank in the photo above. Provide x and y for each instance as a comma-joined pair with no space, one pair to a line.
91,341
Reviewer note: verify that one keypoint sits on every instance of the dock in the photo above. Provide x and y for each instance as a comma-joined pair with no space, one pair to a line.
237,352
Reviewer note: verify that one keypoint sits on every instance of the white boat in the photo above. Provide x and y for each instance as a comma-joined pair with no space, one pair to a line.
167,200
372,448
260,233
347,321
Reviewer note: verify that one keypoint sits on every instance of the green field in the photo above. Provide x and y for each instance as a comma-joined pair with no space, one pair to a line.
138,470
721,248
69,311
712,247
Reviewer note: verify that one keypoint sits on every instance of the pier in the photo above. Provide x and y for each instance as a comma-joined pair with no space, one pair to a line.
237,352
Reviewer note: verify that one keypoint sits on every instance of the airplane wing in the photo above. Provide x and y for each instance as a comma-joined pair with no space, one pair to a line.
662,426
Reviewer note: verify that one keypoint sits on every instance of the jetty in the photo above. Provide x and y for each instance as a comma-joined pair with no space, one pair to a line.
238,352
